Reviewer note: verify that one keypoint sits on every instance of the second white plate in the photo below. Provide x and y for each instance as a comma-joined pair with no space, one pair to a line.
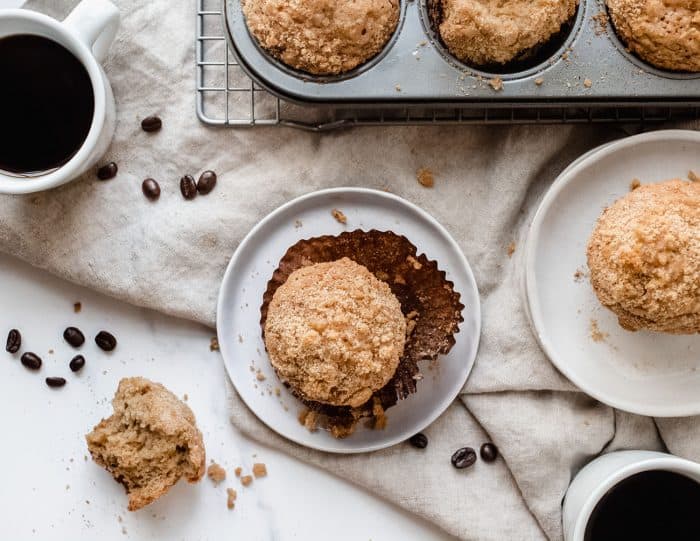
645,373
245,281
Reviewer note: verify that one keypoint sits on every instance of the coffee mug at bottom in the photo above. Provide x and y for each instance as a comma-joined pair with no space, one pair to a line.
610,498
48,63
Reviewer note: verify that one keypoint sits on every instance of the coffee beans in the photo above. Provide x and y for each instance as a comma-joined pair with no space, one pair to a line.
151,124
14,341
420,441
74,337
488,452
463,458
105,341
55,382
206,182
188,187
77,363
108,171
31,361
151,189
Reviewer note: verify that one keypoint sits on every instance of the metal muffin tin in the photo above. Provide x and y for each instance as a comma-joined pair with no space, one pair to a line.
591,66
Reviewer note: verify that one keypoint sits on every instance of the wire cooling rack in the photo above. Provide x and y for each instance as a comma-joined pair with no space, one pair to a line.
227,97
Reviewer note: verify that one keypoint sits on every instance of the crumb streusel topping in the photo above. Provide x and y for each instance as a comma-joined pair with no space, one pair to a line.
644,258
482,32
665,33
335,333
322,37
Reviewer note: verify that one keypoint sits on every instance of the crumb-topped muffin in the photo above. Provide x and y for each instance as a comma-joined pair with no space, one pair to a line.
644,258
665,33
335,333
149,443
322,37
484,32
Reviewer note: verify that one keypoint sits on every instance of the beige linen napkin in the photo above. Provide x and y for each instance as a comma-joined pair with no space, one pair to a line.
171,255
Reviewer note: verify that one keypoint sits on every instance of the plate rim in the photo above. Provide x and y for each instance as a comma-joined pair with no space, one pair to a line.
533,307
344,190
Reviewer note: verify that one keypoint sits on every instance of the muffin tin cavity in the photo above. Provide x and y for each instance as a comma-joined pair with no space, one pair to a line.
584,63
532,61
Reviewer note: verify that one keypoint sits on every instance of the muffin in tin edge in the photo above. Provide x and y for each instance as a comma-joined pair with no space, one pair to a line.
538,59
310,77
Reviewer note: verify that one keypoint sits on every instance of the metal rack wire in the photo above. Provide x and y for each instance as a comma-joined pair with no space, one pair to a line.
227,97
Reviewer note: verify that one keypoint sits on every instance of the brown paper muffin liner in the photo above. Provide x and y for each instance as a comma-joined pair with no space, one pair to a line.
428,300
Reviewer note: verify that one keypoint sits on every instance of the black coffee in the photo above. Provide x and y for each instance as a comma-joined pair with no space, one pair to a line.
653,505
46,104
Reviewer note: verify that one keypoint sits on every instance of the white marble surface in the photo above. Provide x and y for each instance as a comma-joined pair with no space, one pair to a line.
50,491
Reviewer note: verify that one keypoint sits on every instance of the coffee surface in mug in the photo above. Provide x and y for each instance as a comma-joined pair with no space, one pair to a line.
652,505
46,104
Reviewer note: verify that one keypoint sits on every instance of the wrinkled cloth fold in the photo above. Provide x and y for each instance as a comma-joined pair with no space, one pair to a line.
171,256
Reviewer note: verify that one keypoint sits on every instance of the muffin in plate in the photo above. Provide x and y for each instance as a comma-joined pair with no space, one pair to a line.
322,37
644,258
493,32
347,318
665,33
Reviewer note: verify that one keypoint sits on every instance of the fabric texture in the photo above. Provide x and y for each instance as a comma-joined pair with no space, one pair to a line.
171,255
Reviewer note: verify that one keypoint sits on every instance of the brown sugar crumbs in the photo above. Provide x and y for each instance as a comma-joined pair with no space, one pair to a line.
339,216
216,473
511,248
214,344
596,334
246,480
636,183
238,471
77,307
425,177
231,498
259,470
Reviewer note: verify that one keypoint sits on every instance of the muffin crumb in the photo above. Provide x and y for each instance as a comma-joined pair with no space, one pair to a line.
238,471
214,344
539,81
246,480
216,473
231,498
496,83
596,334
693,176
77,307
339,216
511,248
425,177
635,184
259,470
587,83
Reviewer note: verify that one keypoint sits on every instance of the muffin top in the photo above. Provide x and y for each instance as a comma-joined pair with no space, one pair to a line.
665,33
322,37
644,257
482,32
335,333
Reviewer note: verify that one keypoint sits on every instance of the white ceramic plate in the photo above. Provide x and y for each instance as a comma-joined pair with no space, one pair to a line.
645,373
245,281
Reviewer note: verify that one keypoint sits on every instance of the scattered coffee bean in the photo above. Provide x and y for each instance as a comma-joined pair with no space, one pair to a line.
14,341
151,123
31,360
74,337
151,189
188,187
419,440
108,171
55,382
463,458
77,363
105,341
488,452
206,182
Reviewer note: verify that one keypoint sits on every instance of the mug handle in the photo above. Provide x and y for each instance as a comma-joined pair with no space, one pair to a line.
95,22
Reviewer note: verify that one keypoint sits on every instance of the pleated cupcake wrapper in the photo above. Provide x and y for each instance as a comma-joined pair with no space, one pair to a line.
421,288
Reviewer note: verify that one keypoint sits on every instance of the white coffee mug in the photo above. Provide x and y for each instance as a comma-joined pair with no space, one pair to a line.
87,33
602,474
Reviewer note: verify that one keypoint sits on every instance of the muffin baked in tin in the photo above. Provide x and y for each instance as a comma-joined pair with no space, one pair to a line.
485,33
664,33
322,37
